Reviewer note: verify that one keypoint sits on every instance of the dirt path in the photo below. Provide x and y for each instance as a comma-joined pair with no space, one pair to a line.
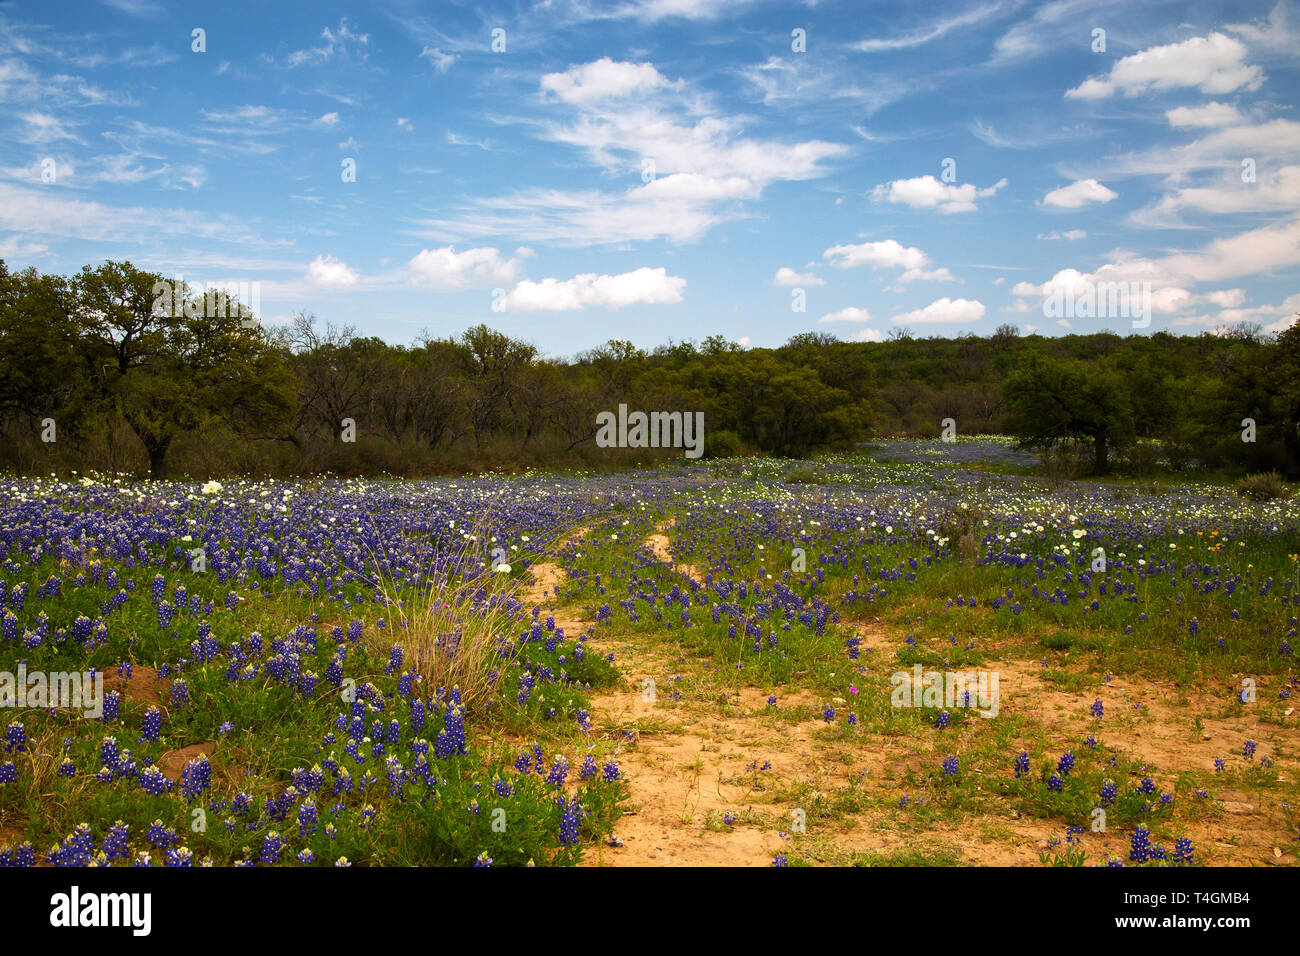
716,777
684,762
661,547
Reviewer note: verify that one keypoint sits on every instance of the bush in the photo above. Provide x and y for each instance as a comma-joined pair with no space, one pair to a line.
1061,463
723,444
1266,486
1143,458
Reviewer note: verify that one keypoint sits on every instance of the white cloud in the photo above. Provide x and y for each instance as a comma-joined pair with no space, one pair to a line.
931,31
1281,34
927,275
339,41
448,269
944,310
1213,64
629,119
40,212
604,79
1167,295
787,276
698,186
886,254
1205,115
580,218
441,62
44,128
329,119
1276,142
655,10
804,81
1276,190
851,314
1249,253
330,273
644,285
14,249
405,123
1078,194
1226,298
1259,251
926,192
1051,27
869,335
1283,314
1070,234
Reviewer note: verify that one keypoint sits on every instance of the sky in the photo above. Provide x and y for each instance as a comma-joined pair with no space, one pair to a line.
571,171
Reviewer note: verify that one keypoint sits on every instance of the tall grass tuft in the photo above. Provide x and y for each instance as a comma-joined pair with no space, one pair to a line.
455,624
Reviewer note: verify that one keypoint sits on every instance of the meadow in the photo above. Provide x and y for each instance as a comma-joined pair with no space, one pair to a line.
690,664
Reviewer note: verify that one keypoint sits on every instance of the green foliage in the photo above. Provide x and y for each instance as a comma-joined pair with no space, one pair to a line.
179,389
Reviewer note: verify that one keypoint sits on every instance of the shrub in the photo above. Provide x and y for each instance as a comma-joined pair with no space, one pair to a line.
1266,486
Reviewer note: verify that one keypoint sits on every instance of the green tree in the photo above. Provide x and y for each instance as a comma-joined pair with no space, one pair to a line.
1051,401
171,363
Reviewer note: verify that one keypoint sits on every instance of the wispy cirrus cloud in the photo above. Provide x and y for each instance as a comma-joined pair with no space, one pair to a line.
929,32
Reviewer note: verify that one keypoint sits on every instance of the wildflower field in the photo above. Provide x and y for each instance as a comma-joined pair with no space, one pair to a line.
698,664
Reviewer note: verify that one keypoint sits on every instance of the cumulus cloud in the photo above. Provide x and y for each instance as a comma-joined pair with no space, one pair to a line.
1070,234
1206,115
604,79
851,314
1079,193
1226,298
926,192
927,275
644,285
944,310
1213,65
330,273
448,269
787,276
888,253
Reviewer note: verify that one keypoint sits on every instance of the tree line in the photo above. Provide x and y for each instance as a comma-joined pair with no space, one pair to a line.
100,371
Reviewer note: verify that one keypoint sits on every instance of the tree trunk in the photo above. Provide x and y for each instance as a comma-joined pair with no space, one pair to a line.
1100,463
157,457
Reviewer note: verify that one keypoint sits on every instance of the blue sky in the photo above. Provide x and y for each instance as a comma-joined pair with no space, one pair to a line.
655,169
